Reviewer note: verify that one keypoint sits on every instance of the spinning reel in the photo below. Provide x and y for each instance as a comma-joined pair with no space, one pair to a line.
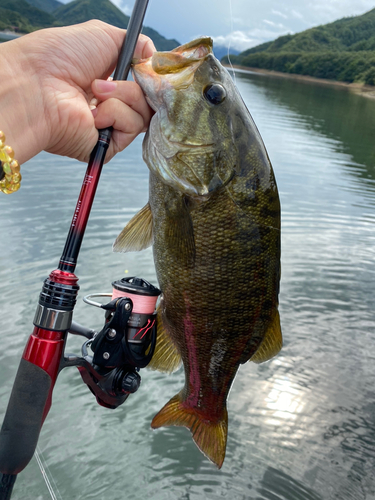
125,344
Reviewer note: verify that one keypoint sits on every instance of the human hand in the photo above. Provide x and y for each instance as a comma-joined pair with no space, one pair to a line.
50,79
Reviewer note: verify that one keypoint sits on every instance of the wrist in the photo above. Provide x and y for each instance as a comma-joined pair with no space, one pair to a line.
21,119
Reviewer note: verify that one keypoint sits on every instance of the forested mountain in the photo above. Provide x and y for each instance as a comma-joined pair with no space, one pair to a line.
343,50
221,51
46,5
80,11
25,16
20,15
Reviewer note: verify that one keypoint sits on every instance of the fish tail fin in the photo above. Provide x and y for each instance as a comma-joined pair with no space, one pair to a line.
210,437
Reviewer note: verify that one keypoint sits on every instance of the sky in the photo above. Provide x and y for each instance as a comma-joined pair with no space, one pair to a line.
242,24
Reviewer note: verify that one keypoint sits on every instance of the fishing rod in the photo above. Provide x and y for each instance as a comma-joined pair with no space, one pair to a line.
124,345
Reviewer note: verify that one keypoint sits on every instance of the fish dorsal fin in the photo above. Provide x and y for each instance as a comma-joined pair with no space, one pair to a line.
272,342
137,234
210,437
166,358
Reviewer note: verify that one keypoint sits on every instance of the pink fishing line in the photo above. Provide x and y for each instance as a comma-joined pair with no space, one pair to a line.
141,303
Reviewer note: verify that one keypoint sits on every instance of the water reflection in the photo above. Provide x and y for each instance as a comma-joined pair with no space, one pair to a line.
284,400
301,426
334,112
276,485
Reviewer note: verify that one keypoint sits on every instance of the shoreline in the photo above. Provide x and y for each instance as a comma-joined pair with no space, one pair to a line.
358,88
7,35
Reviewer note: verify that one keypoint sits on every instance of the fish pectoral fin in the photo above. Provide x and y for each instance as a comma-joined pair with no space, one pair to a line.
210,437
272,342
166,357
137,234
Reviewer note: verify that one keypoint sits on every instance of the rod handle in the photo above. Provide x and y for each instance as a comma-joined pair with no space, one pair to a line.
24,417
6,485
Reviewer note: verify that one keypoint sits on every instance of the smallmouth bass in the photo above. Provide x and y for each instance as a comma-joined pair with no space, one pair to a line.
213,218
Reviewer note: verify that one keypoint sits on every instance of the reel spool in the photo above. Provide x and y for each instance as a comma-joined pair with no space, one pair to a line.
142,320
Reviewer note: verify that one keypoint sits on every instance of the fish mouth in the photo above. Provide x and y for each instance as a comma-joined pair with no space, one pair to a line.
182,57
174,69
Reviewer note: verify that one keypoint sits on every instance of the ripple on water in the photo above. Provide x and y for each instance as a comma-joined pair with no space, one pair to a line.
301,427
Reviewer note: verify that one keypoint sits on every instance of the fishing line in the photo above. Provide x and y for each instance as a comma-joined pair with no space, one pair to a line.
231,32
38,456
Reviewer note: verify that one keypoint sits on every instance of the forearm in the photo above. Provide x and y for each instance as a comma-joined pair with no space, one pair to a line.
21,110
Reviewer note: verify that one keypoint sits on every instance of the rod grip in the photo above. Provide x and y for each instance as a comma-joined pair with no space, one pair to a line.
24,417
6,486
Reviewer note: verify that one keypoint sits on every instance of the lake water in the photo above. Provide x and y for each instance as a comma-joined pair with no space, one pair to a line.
302,426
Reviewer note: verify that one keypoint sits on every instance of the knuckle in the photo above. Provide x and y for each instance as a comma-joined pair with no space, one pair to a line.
131,93
137,94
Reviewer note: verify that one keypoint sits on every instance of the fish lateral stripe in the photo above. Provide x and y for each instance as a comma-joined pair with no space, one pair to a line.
209,436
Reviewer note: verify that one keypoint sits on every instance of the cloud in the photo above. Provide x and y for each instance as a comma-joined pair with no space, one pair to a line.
242,40
236,40
324,11
296,14
126,9
241,23
275,25
120,4
277,13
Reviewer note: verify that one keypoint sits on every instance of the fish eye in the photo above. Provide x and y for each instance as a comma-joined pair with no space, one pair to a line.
214,93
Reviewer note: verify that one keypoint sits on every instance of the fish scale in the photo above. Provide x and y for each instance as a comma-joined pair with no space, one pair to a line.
214,213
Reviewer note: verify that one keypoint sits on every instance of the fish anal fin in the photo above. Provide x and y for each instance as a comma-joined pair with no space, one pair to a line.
272,342
210,437
137,234
166,357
